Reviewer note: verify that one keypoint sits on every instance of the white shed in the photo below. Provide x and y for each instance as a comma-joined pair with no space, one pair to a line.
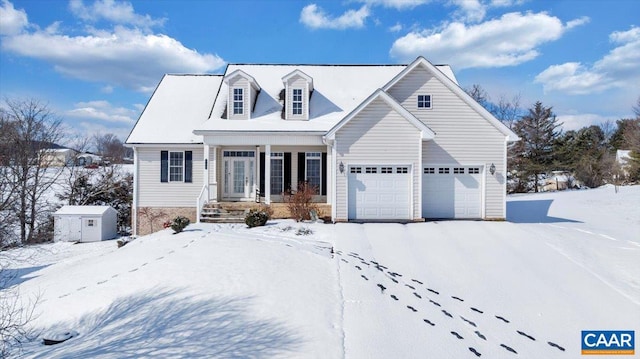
85,223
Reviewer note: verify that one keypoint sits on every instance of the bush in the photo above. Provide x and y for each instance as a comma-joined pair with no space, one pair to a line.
179,224
256,218
300,203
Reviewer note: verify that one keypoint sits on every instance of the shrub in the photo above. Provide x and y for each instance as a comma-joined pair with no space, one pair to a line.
256,218
300,203
179,224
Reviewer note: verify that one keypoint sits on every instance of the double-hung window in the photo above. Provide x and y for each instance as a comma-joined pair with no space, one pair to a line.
313,168
176,166
424,101
296,102
277,173
238,101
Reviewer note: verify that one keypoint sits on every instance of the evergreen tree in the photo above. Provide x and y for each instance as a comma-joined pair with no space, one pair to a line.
533,154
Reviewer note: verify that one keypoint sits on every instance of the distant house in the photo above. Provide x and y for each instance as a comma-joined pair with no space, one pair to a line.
86,159
56,157
558,181
85,223
381,142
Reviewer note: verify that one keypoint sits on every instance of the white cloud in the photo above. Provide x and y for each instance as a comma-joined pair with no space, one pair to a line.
396,28
314,17
505,3
125,57
618,69
470,10
578,22
114,12
506,41
577,121
396,4
12,21
103,111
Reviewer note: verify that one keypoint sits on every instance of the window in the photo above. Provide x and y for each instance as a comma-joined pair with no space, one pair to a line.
238,154
238,101
474,170
296,102
355,170
443,170
370,170
176,166
402,170
458,170
386,169
313,168
277,171
176,169
424,101
91,222
429,170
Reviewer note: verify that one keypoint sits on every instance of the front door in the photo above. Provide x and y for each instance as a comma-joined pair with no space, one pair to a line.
239,173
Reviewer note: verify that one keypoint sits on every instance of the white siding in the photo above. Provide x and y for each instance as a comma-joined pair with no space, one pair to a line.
239,82
462,135
153,193
377,135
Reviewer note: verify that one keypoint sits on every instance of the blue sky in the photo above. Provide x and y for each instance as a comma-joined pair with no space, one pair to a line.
97,62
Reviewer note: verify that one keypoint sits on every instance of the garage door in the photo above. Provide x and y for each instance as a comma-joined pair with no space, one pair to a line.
379,192
451,192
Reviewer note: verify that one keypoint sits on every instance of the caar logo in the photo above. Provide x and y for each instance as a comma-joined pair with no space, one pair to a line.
608,342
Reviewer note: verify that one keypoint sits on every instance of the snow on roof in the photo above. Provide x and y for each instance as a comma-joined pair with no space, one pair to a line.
337,91
178,105
82,210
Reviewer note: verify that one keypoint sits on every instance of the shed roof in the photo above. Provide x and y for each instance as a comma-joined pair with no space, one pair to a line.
83,210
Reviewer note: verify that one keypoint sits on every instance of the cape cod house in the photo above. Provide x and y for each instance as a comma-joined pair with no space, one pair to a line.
378,142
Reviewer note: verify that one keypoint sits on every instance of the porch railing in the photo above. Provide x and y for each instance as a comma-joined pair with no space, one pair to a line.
203,198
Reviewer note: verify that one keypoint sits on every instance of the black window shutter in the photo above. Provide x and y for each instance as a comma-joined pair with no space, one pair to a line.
287,171
301,167
164,166
262,173
323,181
188,166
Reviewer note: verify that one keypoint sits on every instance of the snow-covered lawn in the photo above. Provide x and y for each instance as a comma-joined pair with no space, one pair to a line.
566,262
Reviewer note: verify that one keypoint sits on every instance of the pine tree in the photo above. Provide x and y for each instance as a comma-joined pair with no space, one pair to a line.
533,154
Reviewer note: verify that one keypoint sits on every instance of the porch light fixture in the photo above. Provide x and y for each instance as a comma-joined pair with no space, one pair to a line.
492,169
341,167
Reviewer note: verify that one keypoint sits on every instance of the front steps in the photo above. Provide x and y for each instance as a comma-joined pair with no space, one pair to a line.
217,213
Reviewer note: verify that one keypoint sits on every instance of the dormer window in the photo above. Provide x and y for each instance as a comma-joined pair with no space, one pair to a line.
238,101
242,96
298,87
297,102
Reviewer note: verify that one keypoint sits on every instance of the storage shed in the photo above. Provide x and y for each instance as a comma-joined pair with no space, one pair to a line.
85,223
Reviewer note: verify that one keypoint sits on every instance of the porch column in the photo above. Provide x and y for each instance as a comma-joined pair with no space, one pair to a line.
267,174
213,169
330,172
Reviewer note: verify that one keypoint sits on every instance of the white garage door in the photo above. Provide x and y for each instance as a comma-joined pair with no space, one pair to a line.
451,192
379,192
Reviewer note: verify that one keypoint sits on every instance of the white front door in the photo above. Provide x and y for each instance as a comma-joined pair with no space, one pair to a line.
239,174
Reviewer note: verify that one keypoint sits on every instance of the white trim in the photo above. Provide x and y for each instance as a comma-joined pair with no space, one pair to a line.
504,174
295,72
418,102
267,174
134,213
425,132
243,74
456,89
334,176
419,204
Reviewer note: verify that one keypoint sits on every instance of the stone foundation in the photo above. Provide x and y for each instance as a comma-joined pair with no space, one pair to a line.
151,219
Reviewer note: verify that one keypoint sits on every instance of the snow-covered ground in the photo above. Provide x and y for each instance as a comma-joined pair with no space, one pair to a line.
564,262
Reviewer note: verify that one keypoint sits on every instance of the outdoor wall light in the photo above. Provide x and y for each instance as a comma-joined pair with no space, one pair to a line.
341,167
492,169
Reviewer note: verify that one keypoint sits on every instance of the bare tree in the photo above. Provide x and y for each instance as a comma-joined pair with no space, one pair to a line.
29,130
507,111
110,147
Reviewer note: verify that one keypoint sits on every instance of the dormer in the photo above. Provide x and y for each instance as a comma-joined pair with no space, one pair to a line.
243,92
298,87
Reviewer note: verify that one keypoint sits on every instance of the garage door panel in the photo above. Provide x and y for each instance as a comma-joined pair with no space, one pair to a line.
384,194
451,192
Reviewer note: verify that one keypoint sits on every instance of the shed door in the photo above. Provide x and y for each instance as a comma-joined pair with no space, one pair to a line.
452,192
379,192
73,229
